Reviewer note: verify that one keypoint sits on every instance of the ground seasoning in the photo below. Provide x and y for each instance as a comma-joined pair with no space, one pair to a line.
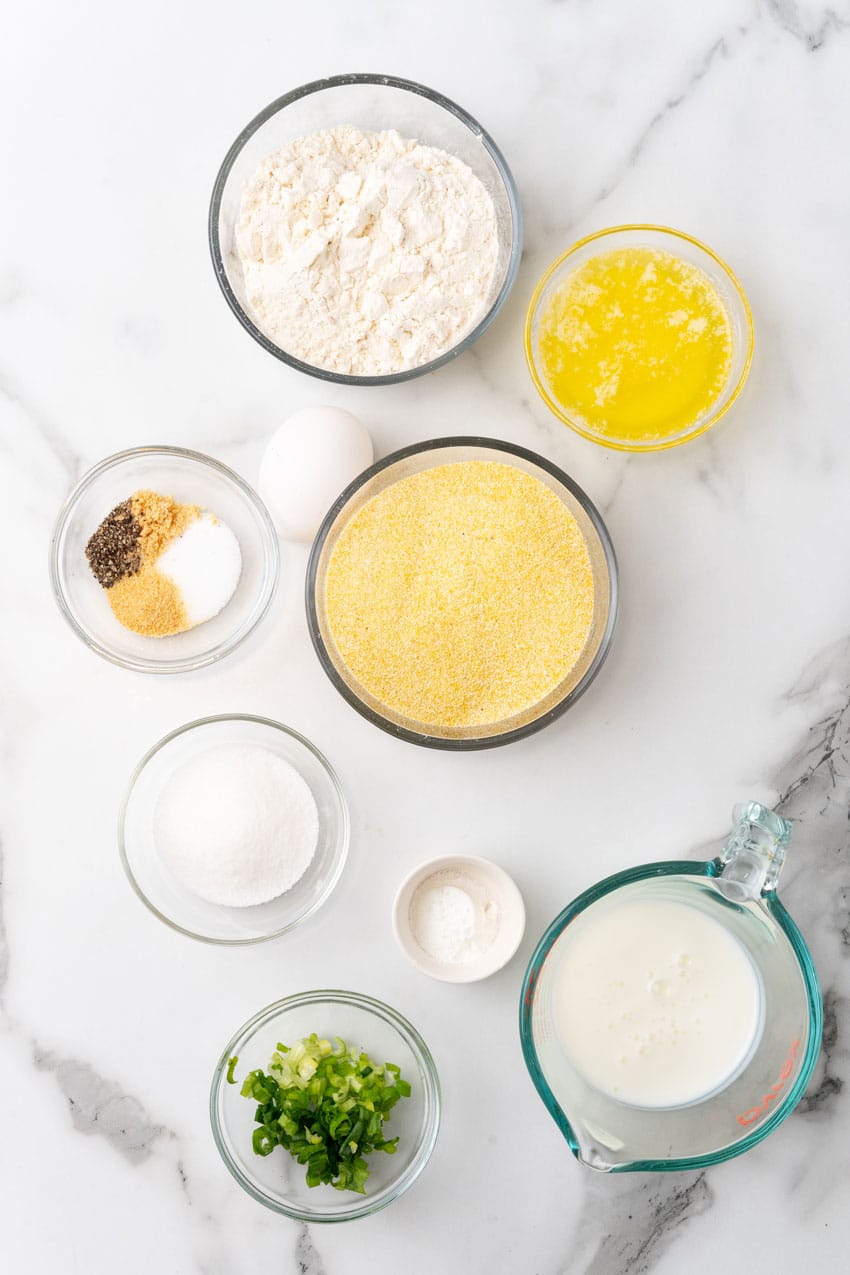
154,592
149,603
161,520
462,595
113,551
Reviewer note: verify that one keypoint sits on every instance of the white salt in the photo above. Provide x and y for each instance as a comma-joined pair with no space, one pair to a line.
205,563
237,825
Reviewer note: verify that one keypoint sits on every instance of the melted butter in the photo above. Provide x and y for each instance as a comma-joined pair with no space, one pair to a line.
636,345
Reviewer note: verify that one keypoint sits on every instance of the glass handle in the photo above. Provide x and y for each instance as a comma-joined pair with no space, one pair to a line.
753,856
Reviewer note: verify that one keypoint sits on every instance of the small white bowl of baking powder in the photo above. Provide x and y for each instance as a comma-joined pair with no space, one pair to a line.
458,918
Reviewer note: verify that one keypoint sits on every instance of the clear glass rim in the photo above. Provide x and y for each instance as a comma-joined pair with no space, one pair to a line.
484,741
670,867
430,1082
722,405
388,81
270,545
345,834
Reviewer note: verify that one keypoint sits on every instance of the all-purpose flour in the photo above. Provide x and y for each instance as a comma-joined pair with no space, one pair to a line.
366,253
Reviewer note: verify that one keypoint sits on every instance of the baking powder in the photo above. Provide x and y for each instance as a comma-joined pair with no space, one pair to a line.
453,917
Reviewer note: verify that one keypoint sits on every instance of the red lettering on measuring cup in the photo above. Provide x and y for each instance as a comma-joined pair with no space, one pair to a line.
749,1117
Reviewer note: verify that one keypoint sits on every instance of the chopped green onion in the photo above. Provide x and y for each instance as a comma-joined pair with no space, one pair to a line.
326,1107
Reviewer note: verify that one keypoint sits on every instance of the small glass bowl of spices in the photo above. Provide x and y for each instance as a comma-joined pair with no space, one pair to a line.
234,829
639,338
459,918
163,560
462,593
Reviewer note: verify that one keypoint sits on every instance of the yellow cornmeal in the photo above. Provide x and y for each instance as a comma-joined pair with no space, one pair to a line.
635,344
462,595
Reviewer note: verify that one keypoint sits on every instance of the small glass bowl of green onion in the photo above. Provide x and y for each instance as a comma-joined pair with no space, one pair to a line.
346,1026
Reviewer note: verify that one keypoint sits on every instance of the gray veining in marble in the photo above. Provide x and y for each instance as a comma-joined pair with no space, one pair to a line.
813,28
98,1106
307,1259
719,48
652,1211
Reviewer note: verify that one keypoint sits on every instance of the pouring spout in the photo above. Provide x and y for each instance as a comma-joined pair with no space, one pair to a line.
753,856
599,1148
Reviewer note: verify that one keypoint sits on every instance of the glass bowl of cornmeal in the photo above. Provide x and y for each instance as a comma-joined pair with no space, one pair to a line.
462,593
639,338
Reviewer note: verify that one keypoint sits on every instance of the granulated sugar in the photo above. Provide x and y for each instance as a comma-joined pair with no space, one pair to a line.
237,825
205,563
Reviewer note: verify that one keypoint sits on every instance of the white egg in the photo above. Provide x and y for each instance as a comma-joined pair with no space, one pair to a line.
309,460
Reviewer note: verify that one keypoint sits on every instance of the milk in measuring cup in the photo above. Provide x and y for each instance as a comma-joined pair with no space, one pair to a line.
656,1003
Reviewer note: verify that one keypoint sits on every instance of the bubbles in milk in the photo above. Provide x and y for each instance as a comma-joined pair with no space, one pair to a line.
656,1003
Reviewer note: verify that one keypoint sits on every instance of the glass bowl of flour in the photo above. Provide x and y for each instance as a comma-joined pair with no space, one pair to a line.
364,229
234,829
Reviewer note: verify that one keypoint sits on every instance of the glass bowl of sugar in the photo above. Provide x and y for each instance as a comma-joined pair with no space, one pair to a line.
234,829
364,229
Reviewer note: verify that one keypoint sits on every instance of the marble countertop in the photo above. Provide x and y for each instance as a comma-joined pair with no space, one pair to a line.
729,676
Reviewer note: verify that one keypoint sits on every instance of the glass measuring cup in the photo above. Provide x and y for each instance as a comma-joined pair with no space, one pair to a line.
737,889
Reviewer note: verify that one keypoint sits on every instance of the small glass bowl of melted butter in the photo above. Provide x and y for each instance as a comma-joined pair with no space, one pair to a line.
639,338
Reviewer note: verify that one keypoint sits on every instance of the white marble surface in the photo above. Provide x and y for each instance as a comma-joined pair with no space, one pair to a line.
730,675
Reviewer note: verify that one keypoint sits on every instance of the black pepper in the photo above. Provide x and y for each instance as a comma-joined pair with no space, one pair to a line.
113,551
